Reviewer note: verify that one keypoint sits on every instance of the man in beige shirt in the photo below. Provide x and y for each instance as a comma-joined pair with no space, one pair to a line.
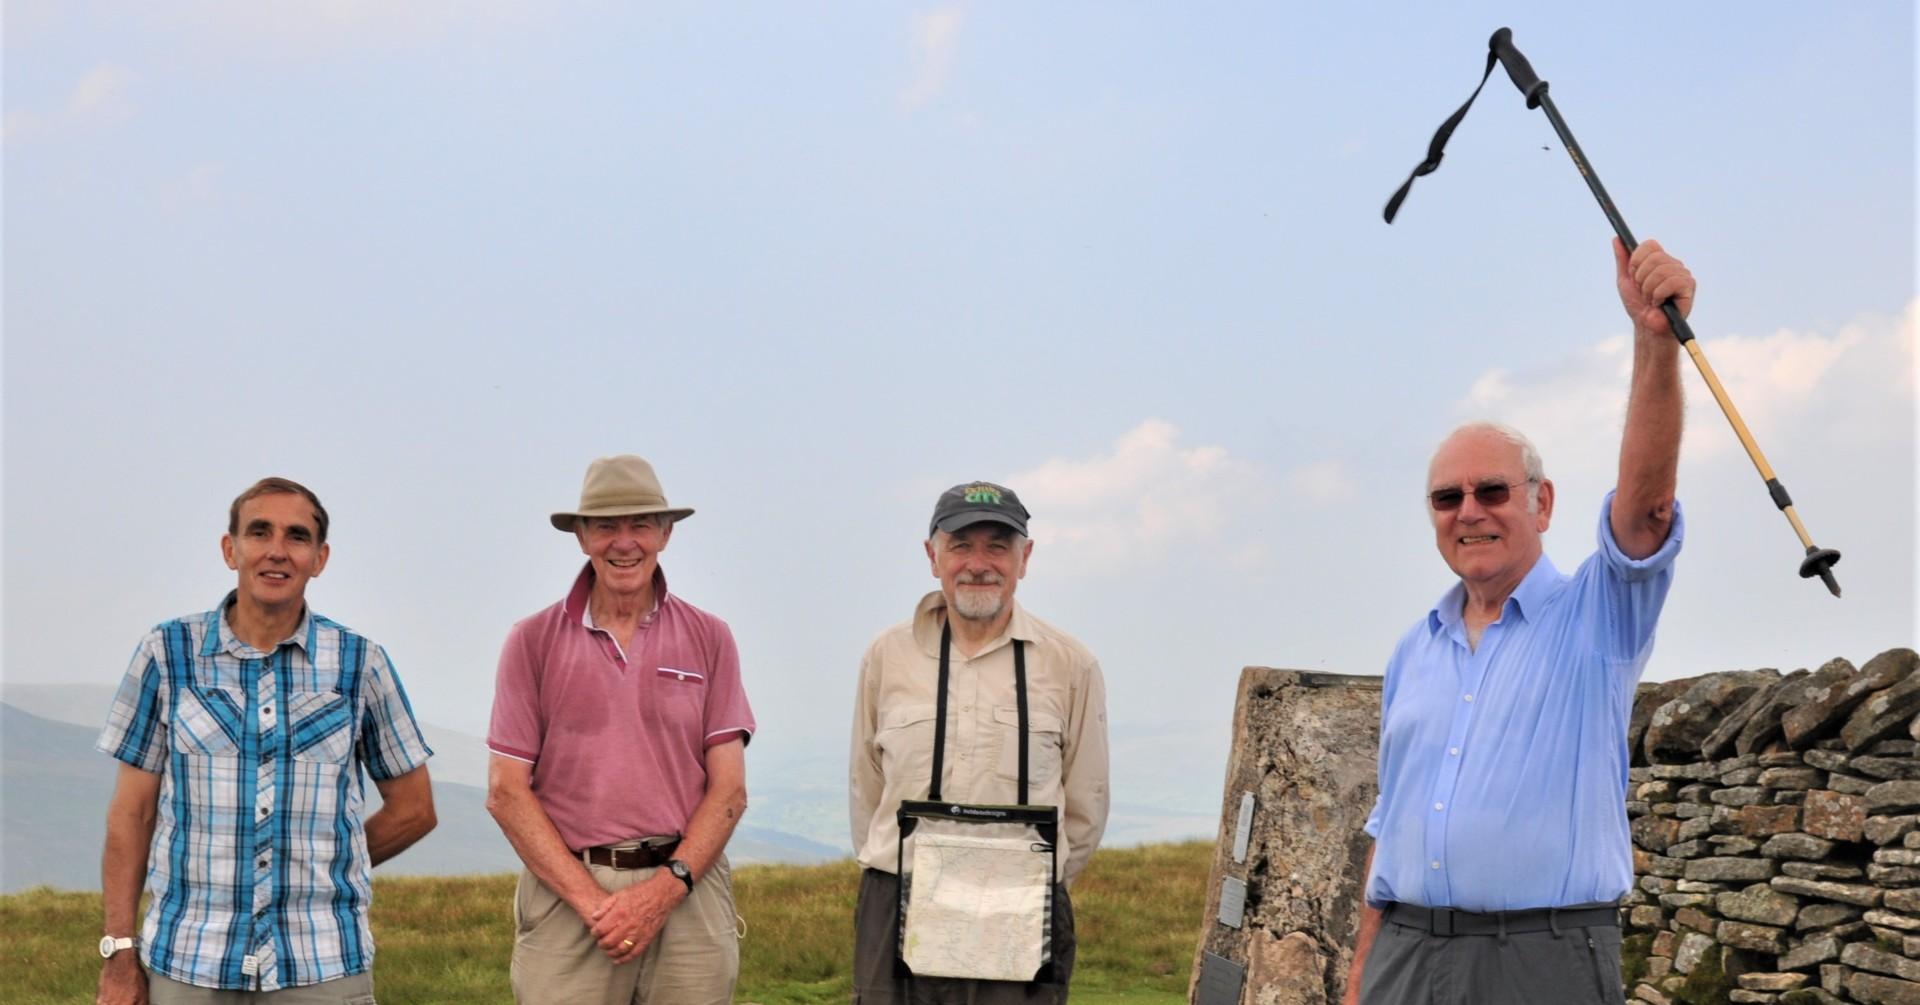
978,548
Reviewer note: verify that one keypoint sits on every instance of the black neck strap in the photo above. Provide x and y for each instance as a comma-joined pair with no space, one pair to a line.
1439,144
940,712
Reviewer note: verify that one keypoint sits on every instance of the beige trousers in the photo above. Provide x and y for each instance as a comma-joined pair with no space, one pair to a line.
353,990
693,961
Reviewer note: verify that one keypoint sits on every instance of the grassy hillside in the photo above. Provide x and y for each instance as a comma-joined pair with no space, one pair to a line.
447,940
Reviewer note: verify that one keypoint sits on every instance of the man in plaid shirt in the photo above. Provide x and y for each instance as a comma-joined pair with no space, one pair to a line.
242,734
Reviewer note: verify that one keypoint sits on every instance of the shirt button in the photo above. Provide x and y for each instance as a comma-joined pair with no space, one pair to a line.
263,811
1453,751
1469,697
681,676
267,711
1439,806
1436,863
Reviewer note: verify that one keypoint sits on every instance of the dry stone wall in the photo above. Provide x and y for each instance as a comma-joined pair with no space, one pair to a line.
1775,821
1776,830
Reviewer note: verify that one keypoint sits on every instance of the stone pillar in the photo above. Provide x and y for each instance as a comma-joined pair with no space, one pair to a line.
1305,745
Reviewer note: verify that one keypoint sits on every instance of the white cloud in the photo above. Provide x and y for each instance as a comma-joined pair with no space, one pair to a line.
1860,374
936,38
1141,500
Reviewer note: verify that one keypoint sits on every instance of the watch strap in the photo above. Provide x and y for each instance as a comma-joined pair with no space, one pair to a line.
681,872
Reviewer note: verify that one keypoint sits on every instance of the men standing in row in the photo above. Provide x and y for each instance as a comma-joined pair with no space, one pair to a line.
241,734
978,548
618,769
1501,845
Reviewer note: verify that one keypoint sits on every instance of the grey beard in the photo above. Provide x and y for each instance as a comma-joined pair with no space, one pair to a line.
978,607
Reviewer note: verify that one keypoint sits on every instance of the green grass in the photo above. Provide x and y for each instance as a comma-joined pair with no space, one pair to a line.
448,939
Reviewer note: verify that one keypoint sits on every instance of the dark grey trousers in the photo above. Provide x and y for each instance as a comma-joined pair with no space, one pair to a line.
1410,966
876,931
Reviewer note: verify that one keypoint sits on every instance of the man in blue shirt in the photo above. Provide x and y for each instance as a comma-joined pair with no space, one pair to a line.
1501,842
242,733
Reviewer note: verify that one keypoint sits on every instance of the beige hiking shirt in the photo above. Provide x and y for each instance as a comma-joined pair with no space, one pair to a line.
892,756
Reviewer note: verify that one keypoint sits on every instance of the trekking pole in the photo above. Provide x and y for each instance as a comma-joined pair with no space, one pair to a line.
1818,561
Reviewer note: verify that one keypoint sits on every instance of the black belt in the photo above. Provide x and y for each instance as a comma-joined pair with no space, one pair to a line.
645,856
1446,922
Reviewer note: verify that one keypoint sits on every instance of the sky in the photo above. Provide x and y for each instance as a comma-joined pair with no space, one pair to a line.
818,262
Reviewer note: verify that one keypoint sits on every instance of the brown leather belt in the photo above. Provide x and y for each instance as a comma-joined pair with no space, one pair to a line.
646,856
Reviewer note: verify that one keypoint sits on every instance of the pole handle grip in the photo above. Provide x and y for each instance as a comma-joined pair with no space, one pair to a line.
1518,69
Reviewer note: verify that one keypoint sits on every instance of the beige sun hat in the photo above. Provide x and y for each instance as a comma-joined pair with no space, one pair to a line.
623,485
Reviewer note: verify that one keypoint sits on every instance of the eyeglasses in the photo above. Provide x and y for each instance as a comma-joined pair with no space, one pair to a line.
1488,495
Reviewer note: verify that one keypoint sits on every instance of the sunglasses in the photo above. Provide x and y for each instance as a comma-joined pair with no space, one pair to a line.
1487,495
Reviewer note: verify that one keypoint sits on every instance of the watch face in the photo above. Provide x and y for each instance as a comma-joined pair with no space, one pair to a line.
106,946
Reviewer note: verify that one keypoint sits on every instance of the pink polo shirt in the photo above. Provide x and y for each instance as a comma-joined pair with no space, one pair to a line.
618,740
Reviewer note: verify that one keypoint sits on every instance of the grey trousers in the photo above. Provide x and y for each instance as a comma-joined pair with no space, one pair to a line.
1410,966
876,931
354,990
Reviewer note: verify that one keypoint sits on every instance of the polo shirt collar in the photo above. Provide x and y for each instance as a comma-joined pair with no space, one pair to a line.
1526,600
222,638
931,614
576,603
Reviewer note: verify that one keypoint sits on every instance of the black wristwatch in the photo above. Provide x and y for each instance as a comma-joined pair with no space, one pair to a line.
681,872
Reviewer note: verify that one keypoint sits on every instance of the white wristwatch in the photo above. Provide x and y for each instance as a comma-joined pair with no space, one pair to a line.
110,945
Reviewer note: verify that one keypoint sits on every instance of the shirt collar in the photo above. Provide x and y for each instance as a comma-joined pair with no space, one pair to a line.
576,603
222,639
1525,601
931,614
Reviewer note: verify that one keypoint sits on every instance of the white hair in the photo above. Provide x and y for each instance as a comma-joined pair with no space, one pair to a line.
1530,463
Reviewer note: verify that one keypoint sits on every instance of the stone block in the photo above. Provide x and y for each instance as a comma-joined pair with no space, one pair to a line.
1701,886
1654,884
1692,771
1833,815
1739,795
1659,790
1888,829
1874,989
1833,977
1826,760
1772,981
1762,821
1664,943
1646,918
1892,919
1729,844
1811,953
1688,849
1911,840
1800,846
1681,901
1693,948
1890,798
1660,865
1893,875
1729,869
1888,768
1778,755
1740,997
1655,834
1895,748
1885,713
1759,938
1849,893
1792,778
1651,995
1677,729
1647,698
1753,722
1760,903
1696,828
1692,811
1826,698
1695,919
1821,915
1904,900
1853,785
1822,870
1897,856
1810,996
1695,792
1864,956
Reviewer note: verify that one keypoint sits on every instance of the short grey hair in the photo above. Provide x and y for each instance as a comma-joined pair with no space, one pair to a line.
1530,463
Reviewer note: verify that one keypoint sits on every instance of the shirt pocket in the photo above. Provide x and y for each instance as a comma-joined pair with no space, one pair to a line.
207,721
321,726
905,741
1045,734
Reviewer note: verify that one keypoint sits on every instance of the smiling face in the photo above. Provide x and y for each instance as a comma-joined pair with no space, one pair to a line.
276,548
1491,548
978,567
624,550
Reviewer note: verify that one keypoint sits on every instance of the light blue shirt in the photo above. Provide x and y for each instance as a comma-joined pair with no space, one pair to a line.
1503,770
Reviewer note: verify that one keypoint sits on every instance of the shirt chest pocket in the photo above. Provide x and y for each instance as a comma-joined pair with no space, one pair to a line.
320,725
905,740
1045,734
207,721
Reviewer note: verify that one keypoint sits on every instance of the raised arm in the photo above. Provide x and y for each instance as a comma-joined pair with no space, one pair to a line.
1642,511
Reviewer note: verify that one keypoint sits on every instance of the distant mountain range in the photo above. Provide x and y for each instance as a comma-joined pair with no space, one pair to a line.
54,788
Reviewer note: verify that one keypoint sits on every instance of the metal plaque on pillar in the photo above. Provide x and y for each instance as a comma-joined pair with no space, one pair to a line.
1233,901
1220,981
1243,828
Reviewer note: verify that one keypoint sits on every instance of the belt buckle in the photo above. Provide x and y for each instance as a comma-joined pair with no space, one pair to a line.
1441,922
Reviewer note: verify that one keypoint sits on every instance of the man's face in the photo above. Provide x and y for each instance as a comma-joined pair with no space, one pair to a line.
624,550
1492,546
275,549
978,568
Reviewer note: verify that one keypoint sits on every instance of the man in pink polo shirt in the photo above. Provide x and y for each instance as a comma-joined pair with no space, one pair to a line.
618,770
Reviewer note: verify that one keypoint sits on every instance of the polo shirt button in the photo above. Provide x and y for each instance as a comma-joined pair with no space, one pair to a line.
681,676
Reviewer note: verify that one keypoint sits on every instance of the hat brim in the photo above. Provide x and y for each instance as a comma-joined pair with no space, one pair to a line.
955,522
565,521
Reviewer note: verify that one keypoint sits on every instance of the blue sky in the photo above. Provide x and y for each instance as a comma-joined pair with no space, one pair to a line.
818,262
